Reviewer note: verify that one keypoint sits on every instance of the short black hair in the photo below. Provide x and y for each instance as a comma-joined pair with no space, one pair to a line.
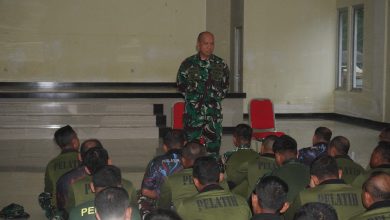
193,150
95,158
174,139
323,133
88,144
385,134
163,214
243,133
383,151
206,170
106,176
341,144
285,143
64,136
272,192
324,167
316,210
378,185
111,203
269,141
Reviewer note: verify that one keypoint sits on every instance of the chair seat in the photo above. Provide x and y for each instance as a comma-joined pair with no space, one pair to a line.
262,135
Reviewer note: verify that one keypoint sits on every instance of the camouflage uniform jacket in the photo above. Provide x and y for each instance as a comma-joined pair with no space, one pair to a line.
204,83
308,154
378,210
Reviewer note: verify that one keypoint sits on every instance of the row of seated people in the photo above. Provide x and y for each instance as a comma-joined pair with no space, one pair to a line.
168,180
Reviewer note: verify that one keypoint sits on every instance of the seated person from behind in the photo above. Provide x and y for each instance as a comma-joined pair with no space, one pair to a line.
212,201
270,199
112,203
80,191
106,176
379,161
66,138
376,197
290,170
262,165
236,162
338,148
180,185
68,179
321,138
160,167
316,210
327,187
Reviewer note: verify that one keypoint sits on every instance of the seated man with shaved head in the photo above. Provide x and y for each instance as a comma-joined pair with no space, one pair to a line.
376,197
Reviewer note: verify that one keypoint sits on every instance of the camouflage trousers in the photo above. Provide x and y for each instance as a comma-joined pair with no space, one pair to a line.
205,129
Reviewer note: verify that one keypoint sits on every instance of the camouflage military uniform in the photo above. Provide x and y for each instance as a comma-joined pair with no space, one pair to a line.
178,187
350,169
204,83
345,199
377,211
295,174
236,167
58,166
259,167
308,154
213,202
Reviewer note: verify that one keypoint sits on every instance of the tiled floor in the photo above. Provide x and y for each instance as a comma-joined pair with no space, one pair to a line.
23,185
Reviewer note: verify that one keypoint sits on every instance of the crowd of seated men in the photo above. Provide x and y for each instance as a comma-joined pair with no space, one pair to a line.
278,182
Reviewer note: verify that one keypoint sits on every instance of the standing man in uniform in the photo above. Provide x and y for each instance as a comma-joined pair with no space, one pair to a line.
203,79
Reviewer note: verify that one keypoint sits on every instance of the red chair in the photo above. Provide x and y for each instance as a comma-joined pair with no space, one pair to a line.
177,115
262,119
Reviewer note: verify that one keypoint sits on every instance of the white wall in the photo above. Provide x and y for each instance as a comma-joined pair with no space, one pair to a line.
289,53
97,40
370,102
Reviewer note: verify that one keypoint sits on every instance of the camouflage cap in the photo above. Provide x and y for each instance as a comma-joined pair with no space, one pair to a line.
13,211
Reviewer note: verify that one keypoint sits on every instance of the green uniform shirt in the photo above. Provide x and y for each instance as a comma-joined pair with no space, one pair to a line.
178,187
295,174
61,164
257,168
350,169
86,211
80,192
377,211
237,169
214,203
345,199
359,180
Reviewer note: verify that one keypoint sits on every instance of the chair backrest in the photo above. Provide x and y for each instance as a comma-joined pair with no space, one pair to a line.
261,114
177,115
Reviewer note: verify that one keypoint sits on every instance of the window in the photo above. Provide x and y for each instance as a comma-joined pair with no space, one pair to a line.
343,49
350,48
357,51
